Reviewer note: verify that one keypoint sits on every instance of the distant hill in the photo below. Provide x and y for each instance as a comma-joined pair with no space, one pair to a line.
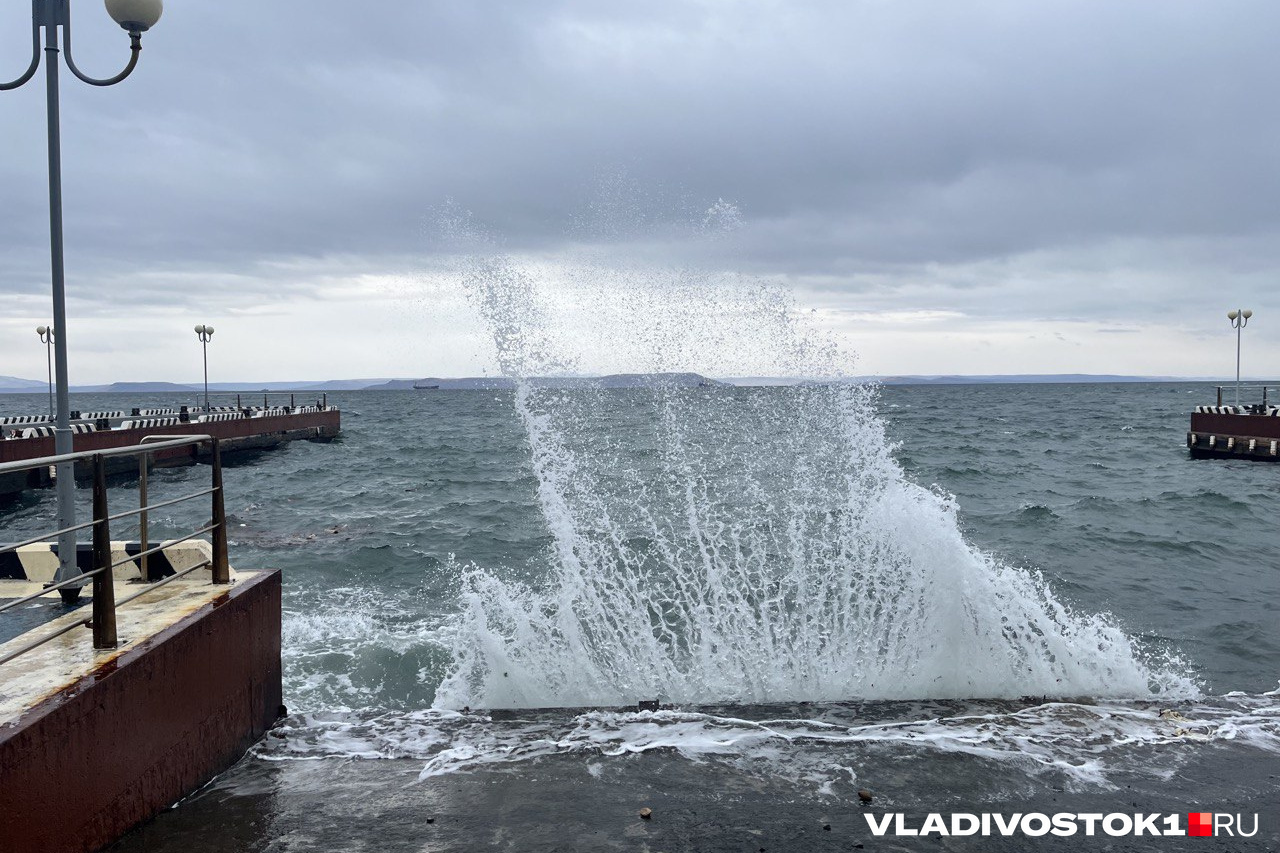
985,379
14,385
617,380
142,388
310,385
393,385
1020,379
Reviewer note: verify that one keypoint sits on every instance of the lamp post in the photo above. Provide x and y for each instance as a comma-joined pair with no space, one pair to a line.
136,17
1239,319
46,338
204,333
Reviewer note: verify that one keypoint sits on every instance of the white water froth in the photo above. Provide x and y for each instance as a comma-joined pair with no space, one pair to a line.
1078,745
749,546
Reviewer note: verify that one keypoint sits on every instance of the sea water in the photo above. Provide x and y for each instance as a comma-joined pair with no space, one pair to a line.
983,596
419,561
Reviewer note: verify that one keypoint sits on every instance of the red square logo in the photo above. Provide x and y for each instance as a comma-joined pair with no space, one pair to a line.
1200,823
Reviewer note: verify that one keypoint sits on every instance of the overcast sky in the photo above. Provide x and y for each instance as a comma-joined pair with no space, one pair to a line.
986,186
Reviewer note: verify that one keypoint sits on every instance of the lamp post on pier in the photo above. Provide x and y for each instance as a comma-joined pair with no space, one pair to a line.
204,333
136,17
1239,319
46,338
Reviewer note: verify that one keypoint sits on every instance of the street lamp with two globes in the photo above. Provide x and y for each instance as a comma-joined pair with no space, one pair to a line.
54,16
46,338
1239,319
204,333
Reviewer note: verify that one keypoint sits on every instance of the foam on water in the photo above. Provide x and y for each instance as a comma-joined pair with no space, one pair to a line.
1078,745
750,547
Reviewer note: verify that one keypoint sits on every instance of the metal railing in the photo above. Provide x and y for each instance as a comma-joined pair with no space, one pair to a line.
1237,391
103,618
270,400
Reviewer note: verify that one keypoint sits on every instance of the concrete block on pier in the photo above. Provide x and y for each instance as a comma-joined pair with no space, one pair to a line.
38,563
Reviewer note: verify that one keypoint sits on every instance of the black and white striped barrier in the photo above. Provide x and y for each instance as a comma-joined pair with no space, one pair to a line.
14,420
148,423
1258,410
221,416
47,431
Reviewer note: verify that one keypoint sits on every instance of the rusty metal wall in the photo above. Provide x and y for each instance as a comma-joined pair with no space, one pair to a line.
1253,426
145,730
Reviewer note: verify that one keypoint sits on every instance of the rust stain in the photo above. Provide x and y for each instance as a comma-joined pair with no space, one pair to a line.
106,668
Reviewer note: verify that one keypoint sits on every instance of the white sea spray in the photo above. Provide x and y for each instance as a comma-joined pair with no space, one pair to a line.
747,546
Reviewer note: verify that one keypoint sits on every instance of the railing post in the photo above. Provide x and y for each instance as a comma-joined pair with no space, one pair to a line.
104,593
221,568
143,538
1219,395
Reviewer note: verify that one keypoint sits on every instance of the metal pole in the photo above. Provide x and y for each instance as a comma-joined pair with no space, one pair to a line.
66,486
204,344
1239,331
143,533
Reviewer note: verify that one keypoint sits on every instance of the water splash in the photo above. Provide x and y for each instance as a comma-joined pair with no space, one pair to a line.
740,545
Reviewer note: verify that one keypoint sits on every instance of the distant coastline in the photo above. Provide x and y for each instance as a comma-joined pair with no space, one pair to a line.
15,385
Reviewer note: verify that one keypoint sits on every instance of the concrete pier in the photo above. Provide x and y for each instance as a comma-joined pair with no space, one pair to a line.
263,431
93,743
1235,432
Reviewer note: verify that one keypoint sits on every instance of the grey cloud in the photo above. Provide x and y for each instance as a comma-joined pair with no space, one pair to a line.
861,139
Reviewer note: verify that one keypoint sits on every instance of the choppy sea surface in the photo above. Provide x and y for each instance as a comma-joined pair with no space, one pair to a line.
985,598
